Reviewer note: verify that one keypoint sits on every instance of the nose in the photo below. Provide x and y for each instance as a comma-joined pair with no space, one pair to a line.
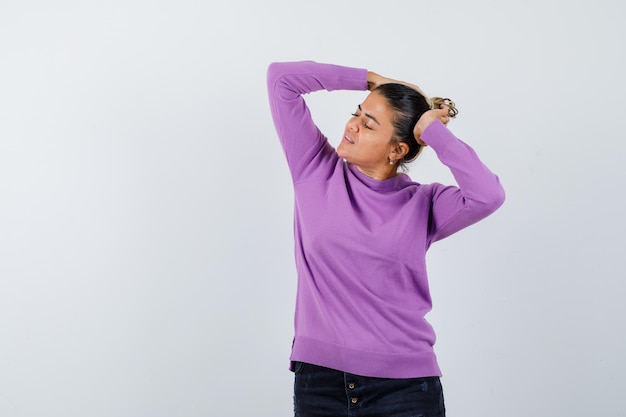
353,124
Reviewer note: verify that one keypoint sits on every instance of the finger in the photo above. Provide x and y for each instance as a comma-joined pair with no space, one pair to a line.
446,111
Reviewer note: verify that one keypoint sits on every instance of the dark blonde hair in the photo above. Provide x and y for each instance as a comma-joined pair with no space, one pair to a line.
437,102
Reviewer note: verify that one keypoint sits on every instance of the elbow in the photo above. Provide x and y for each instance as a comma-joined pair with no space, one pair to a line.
487,201
273,72
493,200
276,70
498,198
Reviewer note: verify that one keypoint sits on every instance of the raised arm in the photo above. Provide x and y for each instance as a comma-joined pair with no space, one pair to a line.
287,82
479,192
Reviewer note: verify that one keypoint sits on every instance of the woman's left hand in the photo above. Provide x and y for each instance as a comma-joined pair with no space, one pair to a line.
427,118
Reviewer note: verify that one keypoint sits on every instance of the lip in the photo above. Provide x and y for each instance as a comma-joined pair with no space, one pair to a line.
348,140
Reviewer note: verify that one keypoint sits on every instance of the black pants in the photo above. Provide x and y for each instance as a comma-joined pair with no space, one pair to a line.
324,392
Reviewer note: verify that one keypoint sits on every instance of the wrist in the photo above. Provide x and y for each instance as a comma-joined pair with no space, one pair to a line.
373,80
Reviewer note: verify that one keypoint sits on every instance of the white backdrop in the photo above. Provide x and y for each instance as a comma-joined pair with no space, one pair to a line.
146,261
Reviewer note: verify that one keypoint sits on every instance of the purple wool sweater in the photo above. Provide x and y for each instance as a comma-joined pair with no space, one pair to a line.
360,243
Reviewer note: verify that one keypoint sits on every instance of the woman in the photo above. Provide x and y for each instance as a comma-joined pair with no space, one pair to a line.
362,228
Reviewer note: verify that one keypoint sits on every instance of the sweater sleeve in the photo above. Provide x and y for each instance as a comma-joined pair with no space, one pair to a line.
479,192
303,143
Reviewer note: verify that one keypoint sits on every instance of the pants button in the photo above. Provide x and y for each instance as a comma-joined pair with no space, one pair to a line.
354,400
351,385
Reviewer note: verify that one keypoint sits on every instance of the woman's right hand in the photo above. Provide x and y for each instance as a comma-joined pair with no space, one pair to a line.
374,80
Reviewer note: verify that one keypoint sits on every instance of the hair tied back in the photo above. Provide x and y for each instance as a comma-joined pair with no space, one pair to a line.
436,102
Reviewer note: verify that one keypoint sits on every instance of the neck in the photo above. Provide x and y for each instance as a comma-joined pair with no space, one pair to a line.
379,173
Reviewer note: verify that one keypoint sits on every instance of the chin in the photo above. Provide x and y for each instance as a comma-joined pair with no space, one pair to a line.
344,157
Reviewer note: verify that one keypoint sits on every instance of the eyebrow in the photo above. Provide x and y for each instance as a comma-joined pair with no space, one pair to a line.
369,115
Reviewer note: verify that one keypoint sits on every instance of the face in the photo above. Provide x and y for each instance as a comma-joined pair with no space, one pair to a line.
367,138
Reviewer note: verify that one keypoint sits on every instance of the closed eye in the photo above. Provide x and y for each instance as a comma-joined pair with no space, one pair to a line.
365,125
